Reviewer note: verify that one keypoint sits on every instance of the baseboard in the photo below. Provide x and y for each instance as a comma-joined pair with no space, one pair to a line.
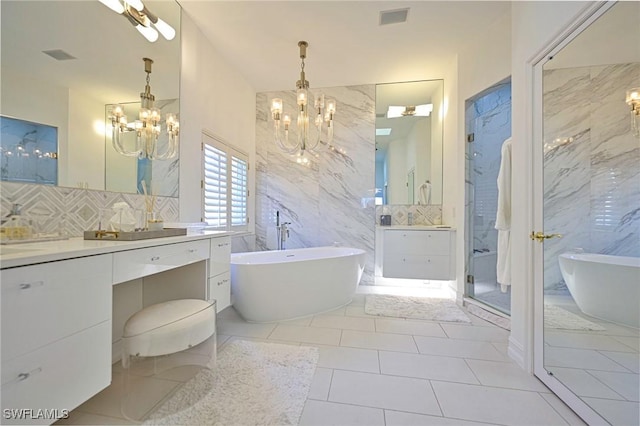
516,353
116,351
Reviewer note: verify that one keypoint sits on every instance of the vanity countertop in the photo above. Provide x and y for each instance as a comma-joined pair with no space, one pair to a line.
12,255
417,227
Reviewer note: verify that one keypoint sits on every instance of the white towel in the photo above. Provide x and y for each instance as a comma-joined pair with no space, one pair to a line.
503,217
425,193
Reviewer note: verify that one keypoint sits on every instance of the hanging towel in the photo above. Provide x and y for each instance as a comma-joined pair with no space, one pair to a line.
503,218
425,193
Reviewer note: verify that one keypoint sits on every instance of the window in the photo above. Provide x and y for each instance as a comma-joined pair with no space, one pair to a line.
224,185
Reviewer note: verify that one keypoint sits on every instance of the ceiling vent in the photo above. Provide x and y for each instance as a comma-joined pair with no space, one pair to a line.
393,16
59,54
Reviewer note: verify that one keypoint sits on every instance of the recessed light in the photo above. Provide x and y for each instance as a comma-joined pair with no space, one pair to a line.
383,132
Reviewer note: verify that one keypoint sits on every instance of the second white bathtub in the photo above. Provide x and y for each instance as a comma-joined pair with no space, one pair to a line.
270,286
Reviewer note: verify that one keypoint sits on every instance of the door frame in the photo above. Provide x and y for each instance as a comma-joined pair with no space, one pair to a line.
586,18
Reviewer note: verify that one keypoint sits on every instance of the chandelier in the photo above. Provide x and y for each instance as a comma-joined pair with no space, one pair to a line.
148,127
633,100
147,23
323,112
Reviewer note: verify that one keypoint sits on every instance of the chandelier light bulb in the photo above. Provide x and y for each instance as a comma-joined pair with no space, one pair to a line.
165,29
114,5
148,32
136,4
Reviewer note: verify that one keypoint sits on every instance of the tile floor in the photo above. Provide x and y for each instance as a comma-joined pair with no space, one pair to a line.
386,371
601,367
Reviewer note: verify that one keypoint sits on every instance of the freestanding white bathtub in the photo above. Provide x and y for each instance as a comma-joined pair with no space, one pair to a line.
604,286
270,286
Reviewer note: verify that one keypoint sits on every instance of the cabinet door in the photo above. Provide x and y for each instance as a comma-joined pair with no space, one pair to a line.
417,267
46,302
220,256
220,290
59,376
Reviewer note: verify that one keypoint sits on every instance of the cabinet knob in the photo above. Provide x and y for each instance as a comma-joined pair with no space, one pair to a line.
223,281
24,376
27,286
223,244
193,250
154,258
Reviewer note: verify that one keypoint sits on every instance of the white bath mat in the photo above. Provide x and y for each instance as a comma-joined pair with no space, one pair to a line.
556,317
254,383
427,308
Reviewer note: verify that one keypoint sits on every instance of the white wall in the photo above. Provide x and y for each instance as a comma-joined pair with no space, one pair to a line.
534,25
215,97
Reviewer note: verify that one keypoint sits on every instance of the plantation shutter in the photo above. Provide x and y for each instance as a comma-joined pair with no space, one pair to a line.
238,191
215,186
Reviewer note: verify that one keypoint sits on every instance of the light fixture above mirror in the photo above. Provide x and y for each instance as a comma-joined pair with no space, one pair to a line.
633,100
409,111
146,22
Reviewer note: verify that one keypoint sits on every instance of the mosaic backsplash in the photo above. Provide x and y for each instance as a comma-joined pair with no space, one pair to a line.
73,210
591,164
330,199
422,215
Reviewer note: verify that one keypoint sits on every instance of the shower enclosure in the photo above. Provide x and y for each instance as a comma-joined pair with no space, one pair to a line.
488,125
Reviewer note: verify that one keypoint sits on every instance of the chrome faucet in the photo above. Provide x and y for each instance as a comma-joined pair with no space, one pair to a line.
283,234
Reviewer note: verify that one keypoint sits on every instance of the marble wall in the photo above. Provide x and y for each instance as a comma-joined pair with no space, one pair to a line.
71,210
591,164
331,198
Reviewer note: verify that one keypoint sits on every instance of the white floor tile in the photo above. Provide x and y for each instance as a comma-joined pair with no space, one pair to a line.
321,384
380,391
472,332
625,384
344,358
80,418
339,311
561,408
358,300
383,341
426,367
322,336
416,328
622,413
357,311
582,383
579,358
584,341
628,360
320,413
459,348
244,329
256,339
305,322
399,418
631,342
493,405
343,322
504,375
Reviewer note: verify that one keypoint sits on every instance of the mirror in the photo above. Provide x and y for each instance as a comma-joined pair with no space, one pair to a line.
72,94
591,170
409,142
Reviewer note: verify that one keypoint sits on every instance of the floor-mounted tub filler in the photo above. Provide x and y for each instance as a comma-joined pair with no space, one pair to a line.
270,286
604,286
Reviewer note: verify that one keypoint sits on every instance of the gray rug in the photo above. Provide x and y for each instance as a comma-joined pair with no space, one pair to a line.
556,317
426,308
254,383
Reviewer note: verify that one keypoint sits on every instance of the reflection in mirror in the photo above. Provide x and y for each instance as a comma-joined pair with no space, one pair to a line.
74,59
591,197
409,142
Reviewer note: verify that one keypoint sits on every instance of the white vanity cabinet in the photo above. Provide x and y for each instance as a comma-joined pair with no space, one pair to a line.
418,254
56,334
220,272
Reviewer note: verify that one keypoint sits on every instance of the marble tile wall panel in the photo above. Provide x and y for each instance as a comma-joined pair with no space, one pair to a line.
73,210
243,243
330,199
592,164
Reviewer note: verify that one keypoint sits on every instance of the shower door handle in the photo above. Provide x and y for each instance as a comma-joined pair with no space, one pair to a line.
541,236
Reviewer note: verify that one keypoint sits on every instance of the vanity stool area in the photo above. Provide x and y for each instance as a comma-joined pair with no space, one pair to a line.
65,304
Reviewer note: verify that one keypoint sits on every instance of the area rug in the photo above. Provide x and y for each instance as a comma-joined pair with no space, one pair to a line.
556,317
254,383
426,308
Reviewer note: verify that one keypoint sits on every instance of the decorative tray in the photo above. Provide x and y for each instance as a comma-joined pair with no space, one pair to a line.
132,236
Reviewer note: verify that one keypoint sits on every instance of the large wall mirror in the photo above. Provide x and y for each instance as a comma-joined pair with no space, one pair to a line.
409,142
591,193
64,64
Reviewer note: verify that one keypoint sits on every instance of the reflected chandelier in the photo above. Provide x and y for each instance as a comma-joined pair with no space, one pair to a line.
633,100
323,113
148,127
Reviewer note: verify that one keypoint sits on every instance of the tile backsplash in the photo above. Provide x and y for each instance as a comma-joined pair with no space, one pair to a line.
422,215
73,210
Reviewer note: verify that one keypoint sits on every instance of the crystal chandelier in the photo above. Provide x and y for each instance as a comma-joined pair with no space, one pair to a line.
323,112
148,127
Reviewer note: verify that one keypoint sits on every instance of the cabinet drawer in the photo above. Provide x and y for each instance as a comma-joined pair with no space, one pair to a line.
132,264
417,267
220,255
46,302
59,376
416,242
220,290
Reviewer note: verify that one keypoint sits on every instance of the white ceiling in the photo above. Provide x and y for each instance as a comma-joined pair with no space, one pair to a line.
346,44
